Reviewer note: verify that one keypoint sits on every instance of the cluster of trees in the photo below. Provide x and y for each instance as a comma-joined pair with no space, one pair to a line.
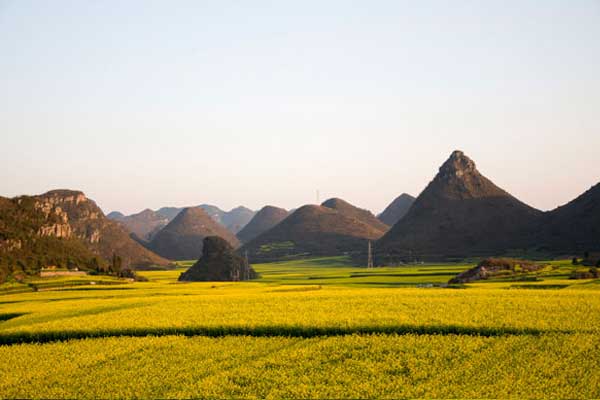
591,274
117,268
587,260
18,268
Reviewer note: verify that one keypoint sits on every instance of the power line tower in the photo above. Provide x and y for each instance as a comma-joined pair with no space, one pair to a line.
370,256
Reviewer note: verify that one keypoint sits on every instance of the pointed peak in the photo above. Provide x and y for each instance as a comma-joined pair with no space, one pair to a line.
458,164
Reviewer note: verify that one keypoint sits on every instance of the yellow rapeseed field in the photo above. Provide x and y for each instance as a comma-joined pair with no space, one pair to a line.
267,339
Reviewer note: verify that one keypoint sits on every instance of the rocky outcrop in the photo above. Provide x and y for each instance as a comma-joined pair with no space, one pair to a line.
219,262
71,223
56,230
496,268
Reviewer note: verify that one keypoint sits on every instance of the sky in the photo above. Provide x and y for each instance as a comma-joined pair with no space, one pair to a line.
145,104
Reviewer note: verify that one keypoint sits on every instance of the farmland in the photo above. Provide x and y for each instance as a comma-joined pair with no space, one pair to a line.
316,328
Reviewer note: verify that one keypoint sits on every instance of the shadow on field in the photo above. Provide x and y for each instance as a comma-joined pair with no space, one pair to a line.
7,316
268,331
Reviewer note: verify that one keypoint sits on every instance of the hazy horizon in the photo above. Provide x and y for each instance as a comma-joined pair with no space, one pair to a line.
148,104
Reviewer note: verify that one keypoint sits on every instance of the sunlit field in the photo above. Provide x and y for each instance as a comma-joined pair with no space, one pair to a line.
313,328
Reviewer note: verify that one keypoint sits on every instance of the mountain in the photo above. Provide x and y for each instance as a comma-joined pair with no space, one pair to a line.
31,239
233,220
351,211
397,209
65,227
169,212
144,224
237,218
102,235
182,238
214,212
573,228
219,262
115,216
264,220
313,231
460,213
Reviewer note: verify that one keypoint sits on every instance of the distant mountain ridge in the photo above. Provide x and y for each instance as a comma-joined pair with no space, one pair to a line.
144,224
316,231
265,219
396,209
147,223
183,237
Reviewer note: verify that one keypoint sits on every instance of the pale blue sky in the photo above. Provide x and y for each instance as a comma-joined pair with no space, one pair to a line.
147,104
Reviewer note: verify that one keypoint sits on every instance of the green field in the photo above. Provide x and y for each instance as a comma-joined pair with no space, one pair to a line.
305,329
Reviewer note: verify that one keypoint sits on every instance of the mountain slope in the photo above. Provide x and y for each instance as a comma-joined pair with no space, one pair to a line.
264,220
351,211
64,224
575,227
182,238
460,213
144,224
396,209
312,231
100,234
169,212
236,219
115,215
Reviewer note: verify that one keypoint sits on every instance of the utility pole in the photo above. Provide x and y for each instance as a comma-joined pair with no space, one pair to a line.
370,257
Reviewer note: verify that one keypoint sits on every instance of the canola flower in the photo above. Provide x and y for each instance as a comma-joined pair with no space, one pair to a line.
269,340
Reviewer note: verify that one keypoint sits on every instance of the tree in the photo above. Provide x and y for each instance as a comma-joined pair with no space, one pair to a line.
95,265
71,264
116,264
574,261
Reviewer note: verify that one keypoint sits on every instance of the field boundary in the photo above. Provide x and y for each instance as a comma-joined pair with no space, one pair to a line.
10,338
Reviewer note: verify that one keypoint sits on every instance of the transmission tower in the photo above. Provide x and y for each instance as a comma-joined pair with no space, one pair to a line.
370,256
